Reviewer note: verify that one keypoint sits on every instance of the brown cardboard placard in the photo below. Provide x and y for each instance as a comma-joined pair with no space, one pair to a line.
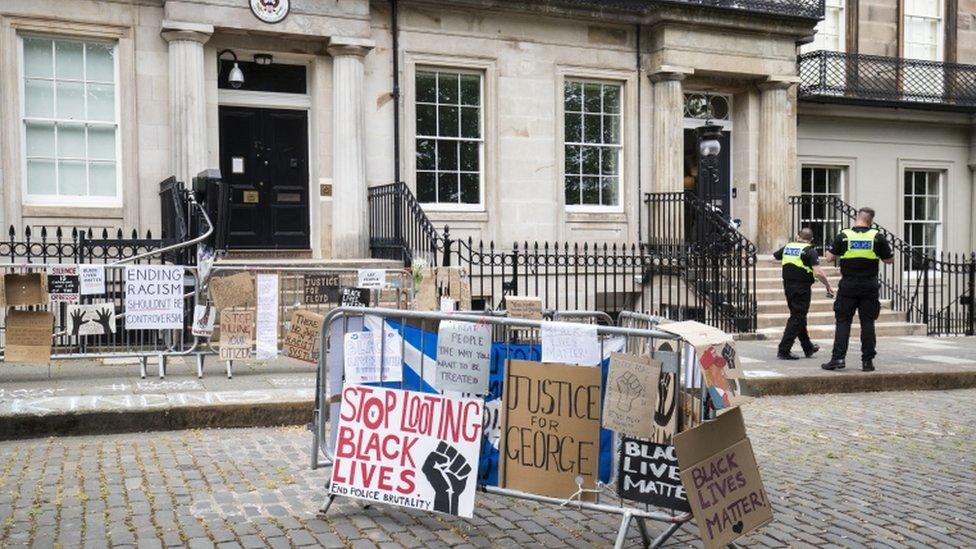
458,285
232,291
25,289
525,307
425,286
237,333
29,337
719,472
573,424
631,394
720,363
302,340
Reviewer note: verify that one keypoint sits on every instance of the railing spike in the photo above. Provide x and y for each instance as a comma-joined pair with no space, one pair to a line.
12,232
43,233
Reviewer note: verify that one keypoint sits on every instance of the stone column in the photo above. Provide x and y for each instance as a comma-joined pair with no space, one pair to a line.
777,161
187,97
350,221
667,129
972,175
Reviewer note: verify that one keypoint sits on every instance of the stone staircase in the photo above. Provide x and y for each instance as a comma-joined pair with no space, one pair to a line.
773,311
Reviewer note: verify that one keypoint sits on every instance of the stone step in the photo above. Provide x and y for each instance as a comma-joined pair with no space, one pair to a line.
777,271
778,320
816,305
826,331
766,283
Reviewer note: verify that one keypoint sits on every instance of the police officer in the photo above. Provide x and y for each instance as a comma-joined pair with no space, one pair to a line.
859,250
801,264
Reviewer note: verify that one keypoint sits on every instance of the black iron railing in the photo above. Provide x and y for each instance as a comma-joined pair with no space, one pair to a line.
934,289
398,227
802,9
71,245
886,81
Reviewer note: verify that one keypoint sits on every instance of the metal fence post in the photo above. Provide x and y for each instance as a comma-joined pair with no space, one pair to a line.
447,247
925,291
971,325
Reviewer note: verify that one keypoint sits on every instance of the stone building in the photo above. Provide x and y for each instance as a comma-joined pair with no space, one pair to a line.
537,120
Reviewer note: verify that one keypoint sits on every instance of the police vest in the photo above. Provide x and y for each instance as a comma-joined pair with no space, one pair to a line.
793,255
860,245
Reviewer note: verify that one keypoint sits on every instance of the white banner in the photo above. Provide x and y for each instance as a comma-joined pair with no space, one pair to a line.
153,297
267,316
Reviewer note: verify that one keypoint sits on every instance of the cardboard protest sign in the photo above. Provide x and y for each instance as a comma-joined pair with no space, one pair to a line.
25,289
267,316
28,337
372,279
409,449
719,360
463,357
570,343
425,288
528,308
354,297
231,291
236,333
648,473
302,340
63,284
362,352
203,320
448,305
551,432
459,287
93,319
719,471
92,278
631,394
665,403
153,297
321,289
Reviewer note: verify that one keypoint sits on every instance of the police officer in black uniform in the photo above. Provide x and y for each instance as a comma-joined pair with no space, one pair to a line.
859,250
801,264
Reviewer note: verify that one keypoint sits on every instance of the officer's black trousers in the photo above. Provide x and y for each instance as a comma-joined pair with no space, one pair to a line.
864,300
798,300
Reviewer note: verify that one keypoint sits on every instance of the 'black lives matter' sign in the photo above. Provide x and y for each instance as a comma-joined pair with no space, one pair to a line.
649,473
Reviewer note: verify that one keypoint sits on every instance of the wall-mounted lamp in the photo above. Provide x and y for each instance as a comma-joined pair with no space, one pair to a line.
263,58
236,76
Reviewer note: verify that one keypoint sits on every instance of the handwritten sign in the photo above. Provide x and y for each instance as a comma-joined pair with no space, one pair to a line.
203,320
321,289
448,305
463,357
648,473
631,394
231,291
92,279
153,297
302,341
372,278
63,284
551,427
570,343
528,308
409,449
236,334
94,319
267,316
362,353
720,363
719,471
28,337
353,297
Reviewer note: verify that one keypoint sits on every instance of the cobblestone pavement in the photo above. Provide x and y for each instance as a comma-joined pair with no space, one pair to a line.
881,469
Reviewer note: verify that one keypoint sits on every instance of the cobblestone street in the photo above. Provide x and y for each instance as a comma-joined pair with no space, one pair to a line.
884,469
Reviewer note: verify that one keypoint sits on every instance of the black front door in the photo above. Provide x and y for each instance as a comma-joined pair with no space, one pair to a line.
711,182
264,160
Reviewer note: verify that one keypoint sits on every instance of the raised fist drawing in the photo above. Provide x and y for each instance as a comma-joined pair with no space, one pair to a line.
77,319
666,401
447,471
629,388
105,319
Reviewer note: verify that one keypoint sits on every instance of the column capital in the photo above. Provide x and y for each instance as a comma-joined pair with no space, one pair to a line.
180,30
664,73
782,82
342,45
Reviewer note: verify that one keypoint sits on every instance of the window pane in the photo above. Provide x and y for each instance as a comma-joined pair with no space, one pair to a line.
591,160
470,193
933,184
611,99
572,160
38,58
102,178
40,140
39,99
101,143
608,191
448,123
470,156
591,97
471,89
69,62
806,176
591,128
611,129
470,123
101,102
100,62
71,178
591,190
40,177
573,96
426,187
908,182
908,209
71,141
572,190
447,187
919,182
447,155
929,231
426,87
608,161
834,182
574,127
425,154
447,88
932,209
426,120
71,100
919,207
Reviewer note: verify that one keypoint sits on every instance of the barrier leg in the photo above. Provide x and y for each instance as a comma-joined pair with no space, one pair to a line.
230,369
642,528
200,365
665,535
622,531
143,363
162,366
327,504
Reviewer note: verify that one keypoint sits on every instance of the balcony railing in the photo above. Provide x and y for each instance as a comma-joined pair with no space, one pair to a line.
799,9
837,77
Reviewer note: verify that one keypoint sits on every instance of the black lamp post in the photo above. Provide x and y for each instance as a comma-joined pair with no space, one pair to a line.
709,147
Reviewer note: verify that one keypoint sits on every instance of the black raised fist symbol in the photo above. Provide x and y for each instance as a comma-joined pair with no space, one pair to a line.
105,319
447,471
665,400
77,319
629,387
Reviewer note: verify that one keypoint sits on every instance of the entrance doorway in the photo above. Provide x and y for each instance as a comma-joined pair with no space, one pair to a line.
703,108
264,161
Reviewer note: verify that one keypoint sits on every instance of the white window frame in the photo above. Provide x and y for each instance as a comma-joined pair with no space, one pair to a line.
58,199
621,175
833,8
939,19
451,206
940,222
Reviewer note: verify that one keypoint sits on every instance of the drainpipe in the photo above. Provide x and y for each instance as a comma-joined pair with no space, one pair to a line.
640,183
395,32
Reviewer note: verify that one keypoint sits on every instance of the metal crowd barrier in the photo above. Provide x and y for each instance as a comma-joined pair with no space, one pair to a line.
398,294
506,331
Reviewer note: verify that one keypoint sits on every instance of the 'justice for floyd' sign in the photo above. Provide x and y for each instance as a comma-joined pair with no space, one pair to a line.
405,448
